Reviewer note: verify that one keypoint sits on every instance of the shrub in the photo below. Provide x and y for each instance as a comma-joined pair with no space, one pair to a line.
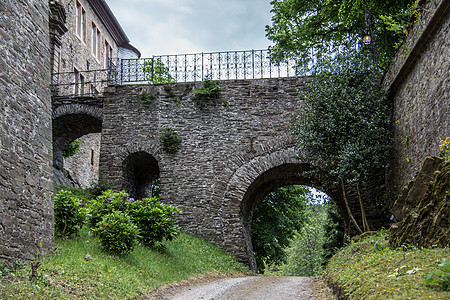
170,139
72,149
117,233
69,213
440,276
107,203
154,220
208,91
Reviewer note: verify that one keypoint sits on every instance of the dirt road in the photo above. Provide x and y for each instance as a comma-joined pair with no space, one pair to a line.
242,288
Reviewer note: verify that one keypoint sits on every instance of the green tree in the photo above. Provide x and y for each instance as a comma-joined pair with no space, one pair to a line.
344,129
305,252
301,27
156,72
334,231
274,222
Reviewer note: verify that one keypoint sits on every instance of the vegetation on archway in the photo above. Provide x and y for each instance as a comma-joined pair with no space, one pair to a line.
156,72
72,149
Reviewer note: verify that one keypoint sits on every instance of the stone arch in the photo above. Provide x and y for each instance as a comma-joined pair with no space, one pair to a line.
248,186
140,171
72,121
78,109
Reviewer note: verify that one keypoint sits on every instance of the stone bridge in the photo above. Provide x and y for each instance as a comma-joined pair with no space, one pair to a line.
234,151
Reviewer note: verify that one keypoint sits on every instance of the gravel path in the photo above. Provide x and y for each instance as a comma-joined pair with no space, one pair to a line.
242,288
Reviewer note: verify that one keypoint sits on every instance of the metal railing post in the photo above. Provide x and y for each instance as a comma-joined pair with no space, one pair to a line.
195,68
253,63
121,70
211,74
236,63
202,67
219,66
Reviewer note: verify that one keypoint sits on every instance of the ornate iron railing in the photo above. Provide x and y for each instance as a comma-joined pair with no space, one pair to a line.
228,65
79,83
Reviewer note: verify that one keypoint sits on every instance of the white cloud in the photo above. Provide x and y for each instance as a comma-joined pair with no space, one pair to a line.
188,26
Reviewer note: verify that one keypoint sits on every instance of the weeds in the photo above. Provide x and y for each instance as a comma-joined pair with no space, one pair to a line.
371,269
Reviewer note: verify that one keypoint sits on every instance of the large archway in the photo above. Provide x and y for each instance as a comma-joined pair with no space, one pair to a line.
141,170
265,183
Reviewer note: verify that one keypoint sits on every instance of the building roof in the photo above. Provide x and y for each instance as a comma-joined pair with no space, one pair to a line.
108,19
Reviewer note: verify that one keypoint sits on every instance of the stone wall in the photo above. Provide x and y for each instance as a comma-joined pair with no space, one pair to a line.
26,204
83,166
419,82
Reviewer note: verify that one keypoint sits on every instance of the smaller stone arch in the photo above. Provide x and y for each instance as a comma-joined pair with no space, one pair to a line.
78,109
140,171
72,121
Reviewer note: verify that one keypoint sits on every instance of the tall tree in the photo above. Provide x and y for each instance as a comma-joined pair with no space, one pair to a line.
275,221
303,27
344,128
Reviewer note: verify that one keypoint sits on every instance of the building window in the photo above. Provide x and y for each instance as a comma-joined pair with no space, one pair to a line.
108,53
80,21
78,83
95,41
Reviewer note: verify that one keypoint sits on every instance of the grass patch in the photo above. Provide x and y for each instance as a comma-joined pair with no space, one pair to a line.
66,274
370,269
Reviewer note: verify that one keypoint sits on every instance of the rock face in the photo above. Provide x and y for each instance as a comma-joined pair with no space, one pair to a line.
423,208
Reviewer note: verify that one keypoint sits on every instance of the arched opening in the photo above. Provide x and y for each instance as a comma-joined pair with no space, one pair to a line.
263,185
289,231
141,171
66,129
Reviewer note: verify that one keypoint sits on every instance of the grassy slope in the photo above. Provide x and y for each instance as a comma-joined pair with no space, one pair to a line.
70,276
370,269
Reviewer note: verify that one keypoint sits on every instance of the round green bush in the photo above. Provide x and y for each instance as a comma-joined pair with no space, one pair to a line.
154,220
69,214
117,233
107,203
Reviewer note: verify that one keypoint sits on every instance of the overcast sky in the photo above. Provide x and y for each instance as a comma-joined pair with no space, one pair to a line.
158,27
